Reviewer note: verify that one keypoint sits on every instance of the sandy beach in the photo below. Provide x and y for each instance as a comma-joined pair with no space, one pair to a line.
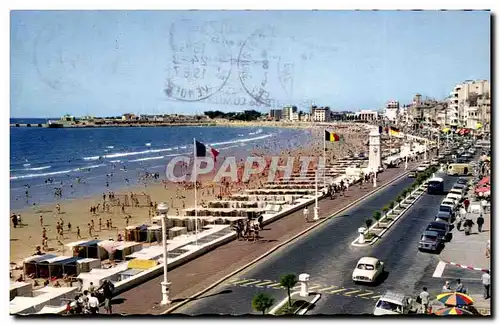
24,239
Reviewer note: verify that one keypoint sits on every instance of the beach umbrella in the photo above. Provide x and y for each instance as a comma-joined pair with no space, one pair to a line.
479,125
451,311
485,180
454,299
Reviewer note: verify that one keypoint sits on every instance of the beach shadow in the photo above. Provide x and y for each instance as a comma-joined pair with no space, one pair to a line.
118,301
177,300
266,240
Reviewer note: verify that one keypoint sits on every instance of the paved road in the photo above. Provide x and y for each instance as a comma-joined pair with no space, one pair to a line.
326,254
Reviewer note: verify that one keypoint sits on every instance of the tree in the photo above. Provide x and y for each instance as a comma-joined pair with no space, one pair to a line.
262,302
377,216
391,204
288,281
368,223
385,209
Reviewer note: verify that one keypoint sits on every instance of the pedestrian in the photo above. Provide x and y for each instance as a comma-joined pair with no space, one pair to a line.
93,304
446,287
107,305
41,221
480,223
460,287
466,204
485,279
488,250
424,300
306,214
78,235
91,287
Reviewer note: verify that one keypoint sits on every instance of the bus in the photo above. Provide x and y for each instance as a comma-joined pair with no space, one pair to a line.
459,169
435,186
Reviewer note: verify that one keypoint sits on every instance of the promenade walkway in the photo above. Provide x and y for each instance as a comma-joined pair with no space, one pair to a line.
198,274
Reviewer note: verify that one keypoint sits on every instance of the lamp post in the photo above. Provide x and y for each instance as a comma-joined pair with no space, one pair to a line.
162,210
316,208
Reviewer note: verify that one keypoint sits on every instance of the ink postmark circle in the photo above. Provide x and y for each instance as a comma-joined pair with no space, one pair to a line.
257,64
200,61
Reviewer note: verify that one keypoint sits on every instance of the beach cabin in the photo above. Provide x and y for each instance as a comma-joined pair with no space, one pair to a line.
149,253
56,298
117,250
30,264
24,289
88,249
87,264
56,267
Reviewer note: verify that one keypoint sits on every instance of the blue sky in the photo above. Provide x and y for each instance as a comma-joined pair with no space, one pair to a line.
112,62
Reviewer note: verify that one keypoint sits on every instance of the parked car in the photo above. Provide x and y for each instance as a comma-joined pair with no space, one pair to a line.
450,202
412,174
457,191
454,197
463,181
392,303
435,162
368,269
422,168
430,241
444,218
441,228
460,186
448,209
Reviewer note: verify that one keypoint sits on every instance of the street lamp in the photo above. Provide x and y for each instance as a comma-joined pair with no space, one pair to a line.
162,210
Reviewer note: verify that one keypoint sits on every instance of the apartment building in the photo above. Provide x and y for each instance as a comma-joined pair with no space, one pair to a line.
391,111
469,104
320,114
288,112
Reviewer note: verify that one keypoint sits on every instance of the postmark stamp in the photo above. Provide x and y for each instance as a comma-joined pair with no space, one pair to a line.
201,61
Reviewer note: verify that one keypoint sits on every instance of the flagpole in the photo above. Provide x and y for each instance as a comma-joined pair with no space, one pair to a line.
195,196
324,159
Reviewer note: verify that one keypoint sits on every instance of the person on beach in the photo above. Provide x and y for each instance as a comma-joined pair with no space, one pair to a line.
100,224
78,235
41,221
14,220
58,208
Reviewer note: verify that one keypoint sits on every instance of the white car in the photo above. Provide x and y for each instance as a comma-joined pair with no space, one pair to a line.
457,191
422,168
368,269
449,202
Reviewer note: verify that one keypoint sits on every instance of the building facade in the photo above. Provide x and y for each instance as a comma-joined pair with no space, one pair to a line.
288,111
275,114
469,104
391,111
321,114
367,115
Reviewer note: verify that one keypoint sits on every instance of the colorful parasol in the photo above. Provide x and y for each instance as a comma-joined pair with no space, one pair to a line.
485,180
479,125
446,130
451,311
454,299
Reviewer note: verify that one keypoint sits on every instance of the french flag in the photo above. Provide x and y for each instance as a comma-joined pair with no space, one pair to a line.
200,150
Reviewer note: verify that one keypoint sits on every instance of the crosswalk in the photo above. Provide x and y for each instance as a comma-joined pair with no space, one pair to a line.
313,287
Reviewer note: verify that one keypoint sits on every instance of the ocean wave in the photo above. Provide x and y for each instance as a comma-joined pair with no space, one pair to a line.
146,158
242,140
148,144
256,132
110,147
125,154
38,168
56,173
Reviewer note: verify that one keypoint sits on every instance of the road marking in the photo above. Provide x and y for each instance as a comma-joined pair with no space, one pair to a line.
439,269
239,282
366,294
275,286
375,297
315,287
351,292
327,288
249,283
265,283
335,291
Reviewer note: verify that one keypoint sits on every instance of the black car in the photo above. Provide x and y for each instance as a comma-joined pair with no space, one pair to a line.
441,228
430,241
462,181
445,214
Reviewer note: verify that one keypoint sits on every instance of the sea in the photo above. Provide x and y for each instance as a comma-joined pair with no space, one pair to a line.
86,162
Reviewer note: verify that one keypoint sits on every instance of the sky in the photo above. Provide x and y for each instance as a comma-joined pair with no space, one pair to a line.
106,63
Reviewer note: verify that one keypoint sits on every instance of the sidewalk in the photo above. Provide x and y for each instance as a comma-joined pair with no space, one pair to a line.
469,251
198,274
